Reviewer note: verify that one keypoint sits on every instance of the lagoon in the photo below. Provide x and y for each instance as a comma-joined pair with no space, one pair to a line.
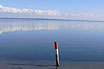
32,40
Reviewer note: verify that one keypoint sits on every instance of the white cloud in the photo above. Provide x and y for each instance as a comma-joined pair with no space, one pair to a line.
38,12
1,6
33,12
76,14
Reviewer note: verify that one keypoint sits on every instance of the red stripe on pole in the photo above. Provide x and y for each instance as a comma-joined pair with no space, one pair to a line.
56,45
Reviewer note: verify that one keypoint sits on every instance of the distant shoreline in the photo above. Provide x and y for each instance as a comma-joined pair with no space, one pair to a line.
56,19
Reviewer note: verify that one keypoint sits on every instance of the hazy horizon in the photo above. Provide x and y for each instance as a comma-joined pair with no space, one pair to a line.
64,9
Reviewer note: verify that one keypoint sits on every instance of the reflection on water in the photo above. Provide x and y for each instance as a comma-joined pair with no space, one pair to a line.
33,41
65,65
11,26
57,67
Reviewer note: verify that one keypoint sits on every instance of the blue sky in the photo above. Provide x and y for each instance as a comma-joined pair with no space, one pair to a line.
94,7
56,4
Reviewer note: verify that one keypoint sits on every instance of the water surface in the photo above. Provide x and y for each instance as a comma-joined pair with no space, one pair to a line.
33,40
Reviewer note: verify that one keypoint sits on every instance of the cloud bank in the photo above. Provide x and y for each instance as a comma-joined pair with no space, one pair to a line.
30,11
34,13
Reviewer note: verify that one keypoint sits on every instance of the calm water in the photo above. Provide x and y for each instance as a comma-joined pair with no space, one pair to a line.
33,40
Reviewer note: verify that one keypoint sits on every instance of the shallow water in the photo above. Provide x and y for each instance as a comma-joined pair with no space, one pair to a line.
50,65
33,40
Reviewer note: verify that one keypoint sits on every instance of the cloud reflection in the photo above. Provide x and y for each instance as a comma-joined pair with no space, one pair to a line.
85,26
12,27
49,26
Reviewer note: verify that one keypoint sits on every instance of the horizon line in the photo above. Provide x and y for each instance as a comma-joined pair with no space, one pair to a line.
58,19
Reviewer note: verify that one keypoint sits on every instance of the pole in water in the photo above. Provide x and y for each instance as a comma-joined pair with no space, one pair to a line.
57,54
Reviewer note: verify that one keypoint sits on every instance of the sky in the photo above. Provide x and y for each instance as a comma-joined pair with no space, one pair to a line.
66,9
